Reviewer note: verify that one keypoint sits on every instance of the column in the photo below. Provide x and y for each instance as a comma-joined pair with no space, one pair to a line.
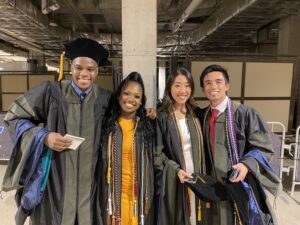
139,32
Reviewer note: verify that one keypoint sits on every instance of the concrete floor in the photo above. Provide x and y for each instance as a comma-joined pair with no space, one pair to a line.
287,209
7,204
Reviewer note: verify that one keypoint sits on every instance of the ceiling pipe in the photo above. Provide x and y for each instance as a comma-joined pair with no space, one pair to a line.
12,50
41,37
70,4
186,13
222,15
22,42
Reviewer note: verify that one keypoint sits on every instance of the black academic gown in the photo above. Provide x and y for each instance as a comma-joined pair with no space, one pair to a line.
251,133
144,155
70,192
172,202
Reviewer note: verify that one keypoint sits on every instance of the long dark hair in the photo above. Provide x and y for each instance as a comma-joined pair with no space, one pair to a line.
168,101
114,109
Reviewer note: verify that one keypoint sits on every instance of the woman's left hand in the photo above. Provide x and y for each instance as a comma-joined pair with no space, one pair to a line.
182,175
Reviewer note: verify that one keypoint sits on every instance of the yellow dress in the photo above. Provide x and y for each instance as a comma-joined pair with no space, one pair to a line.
127,204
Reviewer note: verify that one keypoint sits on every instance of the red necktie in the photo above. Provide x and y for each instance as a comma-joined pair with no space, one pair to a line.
212,122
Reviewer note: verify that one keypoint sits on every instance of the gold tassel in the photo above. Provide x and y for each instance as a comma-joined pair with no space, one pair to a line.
238,214
199,217
108,219
113,220
61,66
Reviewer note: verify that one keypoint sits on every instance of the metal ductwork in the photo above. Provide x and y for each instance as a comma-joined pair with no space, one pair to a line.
211,26
222,15
24,25
230,26
186,13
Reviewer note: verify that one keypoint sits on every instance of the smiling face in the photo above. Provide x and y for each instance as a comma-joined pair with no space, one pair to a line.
84,72
215,87
130,99
180,90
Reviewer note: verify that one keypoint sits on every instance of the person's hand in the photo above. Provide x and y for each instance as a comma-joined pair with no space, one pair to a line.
151,113
182,175
243,170
57,142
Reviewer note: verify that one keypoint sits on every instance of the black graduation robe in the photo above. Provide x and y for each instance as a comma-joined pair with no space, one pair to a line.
251,133
71,187
172,207
146,200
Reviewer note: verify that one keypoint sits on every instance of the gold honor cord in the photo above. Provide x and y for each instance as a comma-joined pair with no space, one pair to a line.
199,215
61,66
238,214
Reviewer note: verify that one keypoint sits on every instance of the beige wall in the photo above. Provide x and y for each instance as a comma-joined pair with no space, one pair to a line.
14,85
7,99
268,79
105,82
34,80
272,110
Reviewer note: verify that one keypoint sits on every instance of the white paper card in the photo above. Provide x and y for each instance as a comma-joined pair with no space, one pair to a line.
76,141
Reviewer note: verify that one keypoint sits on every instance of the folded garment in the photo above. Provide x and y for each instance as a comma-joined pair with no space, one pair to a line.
209,189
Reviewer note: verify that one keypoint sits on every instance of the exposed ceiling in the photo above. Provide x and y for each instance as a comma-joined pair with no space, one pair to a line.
37,27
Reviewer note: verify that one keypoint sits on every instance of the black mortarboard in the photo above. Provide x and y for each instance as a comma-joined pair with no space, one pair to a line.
209,189
84,47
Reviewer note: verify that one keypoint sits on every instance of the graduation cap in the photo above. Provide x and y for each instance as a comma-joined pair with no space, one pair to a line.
84,47
209,189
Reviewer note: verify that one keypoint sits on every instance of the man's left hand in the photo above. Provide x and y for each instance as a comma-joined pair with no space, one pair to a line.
243,170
